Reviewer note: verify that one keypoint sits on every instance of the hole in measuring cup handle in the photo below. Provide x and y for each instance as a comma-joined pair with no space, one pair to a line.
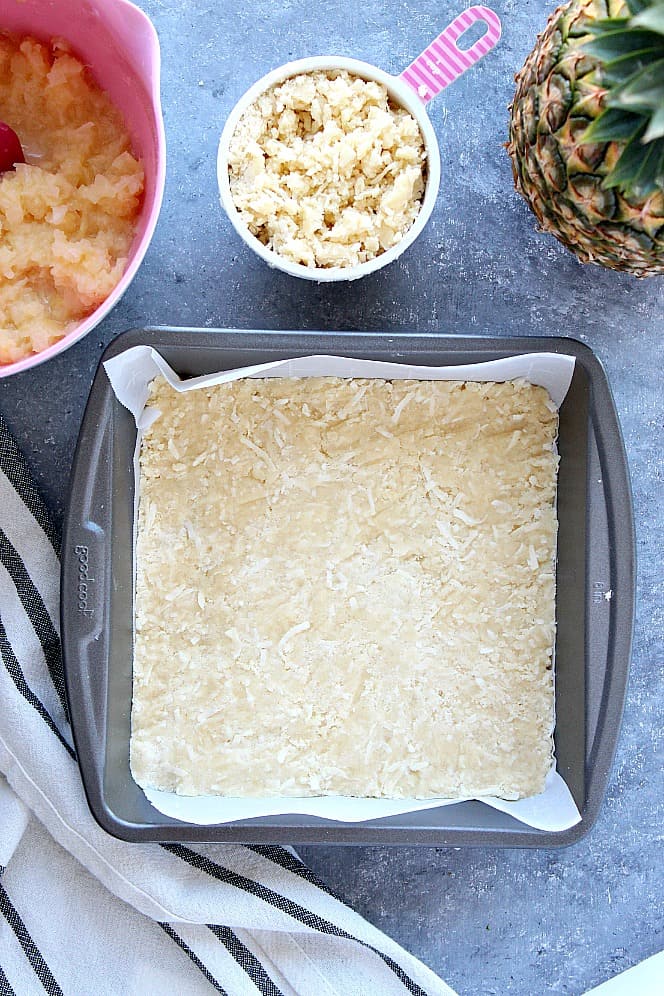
471,36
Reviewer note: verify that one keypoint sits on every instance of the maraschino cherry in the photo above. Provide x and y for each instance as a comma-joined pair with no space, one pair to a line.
11,152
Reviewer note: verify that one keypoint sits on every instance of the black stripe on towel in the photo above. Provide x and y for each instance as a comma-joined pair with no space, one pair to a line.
17,676
30,949
191,955
37,613
246,960
5,988
14,467
287,906
281,856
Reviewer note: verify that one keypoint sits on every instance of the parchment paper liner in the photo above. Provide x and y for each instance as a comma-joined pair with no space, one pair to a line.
130,374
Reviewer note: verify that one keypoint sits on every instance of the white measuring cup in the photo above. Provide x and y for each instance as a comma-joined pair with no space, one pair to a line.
438,66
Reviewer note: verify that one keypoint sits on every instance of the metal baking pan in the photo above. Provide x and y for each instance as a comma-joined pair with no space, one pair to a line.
594,604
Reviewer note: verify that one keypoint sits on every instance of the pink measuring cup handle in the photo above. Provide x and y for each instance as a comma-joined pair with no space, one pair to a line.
443,61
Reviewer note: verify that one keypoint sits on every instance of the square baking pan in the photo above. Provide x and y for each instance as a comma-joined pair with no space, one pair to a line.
594,601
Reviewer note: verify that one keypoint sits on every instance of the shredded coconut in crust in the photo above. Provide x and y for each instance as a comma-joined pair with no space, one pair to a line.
326,170
346,587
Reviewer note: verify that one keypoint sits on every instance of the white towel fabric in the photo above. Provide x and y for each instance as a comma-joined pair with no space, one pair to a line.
82,913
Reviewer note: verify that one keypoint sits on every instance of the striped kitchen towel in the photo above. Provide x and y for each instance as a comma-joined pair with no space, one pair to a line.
82,913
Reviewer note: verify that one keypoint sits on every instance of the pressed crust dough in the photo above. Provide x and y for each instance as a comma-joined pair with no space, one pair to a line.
346,587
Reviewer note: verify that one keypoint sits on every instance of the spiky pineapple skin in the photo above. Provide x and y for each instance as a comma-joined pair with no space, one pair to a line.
558,93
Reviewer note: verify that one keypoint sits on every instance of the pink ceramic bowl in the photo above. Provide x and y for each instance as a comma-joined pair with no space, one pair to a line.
120,44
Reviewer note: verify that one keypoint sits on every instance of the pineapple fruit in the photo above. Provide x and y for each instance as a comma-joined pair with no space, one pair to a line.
586,132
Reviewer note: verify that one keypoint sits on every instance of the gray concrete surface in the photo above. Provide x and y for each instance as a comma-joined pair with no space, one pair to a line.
488,921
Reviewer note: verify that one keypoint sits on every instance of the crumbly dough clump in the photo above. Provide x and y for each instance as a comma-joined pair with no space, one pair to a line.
346,587
326,170
68,216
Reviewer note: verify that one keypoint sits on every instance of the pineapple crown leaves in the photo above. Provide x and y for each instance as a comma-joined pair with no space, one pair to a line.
630,51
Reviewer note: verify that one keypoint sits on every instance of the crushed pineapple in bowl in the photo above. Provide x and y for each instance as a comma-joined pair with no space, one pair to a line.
77,214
